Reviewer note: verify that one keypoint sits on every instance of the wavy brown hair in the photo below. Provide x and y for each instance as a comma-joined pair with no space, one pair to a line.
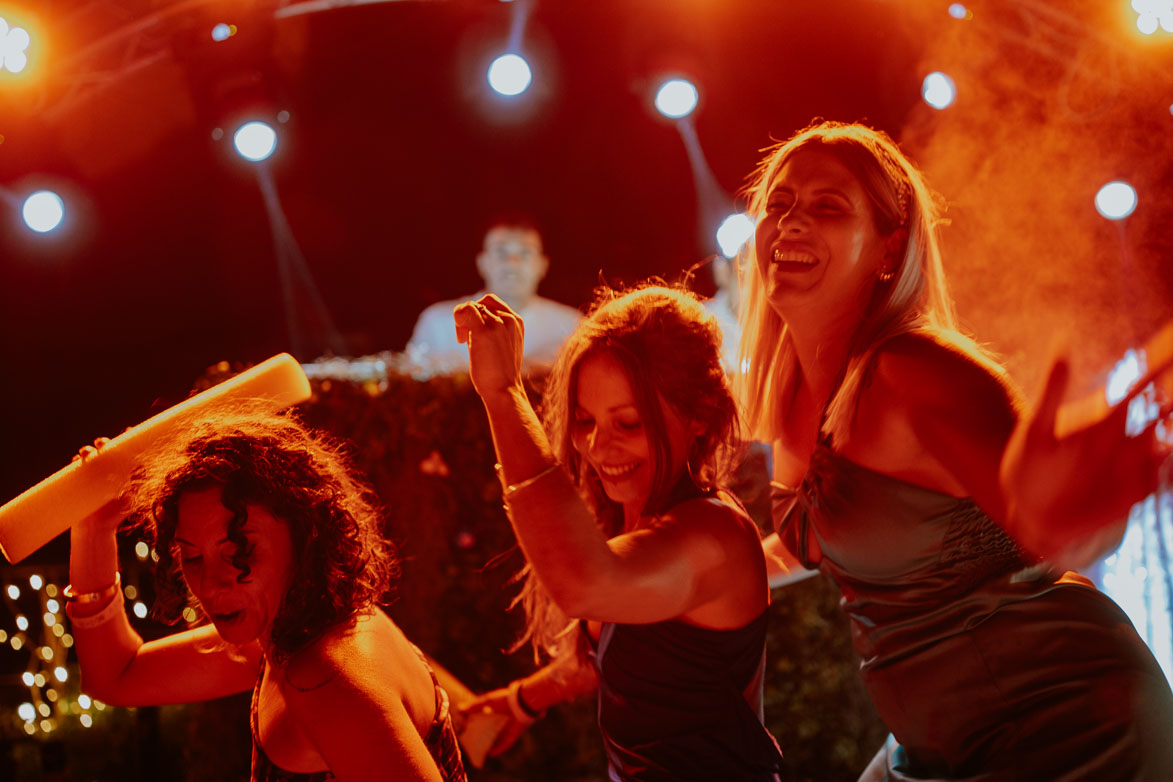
670,348
342,563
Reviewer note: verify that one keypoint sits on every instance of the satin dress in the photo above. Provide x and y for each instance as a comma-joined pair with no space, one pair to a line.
984,664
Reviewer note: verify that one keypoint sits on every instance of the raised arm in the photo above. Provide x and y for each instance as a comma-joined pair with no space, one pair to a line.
685,561
116,666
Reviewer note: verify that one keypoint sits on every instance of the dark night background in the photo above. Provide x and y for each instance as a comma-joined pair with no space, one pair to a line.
395,154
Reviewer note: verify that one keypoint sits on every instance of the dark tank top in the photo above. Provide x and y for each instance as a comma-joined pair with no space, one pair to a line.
680,702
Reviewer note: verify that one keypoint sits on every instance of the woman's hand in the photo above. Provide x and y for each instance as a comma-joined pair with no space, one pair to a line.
495,337
1066,492
494,704
107,517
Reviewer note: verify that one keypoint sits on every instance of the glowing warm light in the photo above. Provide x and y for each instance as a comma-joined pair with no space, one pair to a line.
51,590
27,678
51,694
86,720
222,32
13,591
3,636
58,630
22,623
938,90
130,592
83,700
1116,200
958,11
66,640
43,211
29,728
99,705
46,725
46,653
39,680
44,710
676,98
26,711
735,230
35,581
53,606
1152,14
140,610
16,642
255,141
510,74
14,41
49,619
141,550
60,674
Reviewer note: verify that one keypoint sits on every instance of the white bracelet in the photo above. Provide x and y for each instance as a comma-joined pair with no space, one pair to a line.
112,609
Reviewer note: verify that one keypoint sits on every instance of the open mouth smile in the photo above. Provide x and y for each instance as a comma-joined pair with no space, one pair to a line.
615,472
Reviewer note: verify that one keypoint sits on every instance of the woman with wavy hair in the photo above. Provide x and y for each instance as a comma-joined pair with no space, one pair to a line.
646,579
907,470
260,521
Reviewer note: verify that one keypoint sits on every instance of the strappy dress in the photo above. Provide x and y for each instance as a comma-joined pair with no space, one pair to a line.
984,664
440,741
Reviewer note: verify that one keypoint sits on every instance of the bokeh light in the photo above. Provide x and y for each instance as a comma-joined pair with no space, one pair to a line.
140,610
938,90
14,44
222,32
676,98
1116,200
43,211
1152,14
13,591
255,141
959,11
734,231
26,711
510,75
35,581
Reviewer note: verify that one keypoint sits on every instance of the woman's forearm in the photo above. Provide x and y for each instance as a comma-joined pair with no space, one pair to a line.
555,529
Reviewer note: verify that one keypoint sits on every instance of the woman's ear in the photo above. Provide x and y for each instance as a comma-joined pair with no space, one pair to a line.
894,246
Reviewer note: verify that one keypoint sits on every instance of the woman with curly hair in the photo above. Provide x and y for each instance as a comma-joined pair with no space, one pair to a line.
259,520
638,558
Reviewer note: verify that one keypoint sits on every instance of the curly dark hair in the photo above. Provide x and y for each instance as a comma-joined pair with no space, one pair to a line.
342,562
670,348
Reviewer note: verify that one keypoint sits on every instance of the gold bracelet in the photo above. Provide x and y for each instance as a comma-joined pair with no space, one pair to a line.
512,491
101,596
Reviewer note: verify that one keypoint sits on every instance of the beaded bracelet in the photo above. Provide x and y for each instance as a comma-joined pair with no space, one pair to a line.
101,596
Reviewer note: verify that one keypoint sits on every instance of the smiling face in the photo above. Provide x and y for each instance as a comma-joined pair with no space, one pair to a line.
242,611
817,244
611,434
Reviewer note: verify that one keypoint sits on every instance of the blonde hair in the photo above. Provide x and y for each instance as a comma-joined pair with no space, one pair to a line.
916,298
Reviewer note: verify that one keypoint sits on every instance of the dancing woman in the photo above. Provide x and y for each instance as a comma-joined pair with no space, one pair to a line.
259,520
906,470
647,581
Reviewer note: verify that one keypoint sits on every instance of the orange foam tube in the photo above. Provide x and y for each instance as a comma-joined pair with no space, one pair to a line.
52,506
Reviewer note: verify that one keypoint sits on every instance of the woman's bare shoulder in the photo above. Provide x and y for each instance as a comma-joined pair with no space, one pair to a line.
362,644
